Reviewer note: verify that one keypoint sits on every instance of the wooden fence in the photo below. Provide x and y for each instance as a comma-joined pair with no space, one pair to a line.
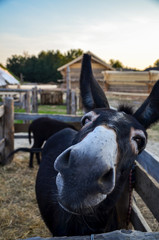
28,98
23,98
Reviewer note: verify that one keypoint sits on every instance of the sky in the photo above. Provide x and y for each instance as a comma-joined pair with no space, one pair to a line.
123,30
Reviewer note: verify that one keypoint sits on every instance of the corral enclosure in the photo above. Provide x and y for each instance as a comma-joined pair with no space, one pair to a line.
18,198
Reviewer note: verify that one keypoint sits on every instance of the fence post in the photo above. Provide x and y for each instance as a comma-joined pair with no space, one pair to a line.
8,129
73,103
34,100
27,102
68,98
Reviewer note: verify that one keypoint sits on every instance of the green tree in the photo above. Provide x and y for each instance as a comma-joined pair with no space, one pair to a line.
73,54
16,64
115,63
156,63
42,68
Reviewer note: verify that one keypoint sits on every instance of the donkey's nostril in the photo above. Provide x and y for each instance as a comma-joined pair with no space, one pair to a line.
62,161
107,181
107,176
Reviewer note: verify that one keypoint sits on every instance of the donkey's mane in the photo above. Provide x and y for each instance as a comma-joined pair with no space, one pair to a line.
127,109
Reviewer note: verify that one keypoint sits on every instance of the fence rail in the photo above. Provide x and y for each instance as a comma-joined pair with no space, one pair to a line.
33,116
115,235
148,189
147,186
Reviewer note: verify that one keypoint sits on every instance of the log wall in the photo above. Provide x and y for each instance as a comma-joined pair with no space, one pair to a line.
129,81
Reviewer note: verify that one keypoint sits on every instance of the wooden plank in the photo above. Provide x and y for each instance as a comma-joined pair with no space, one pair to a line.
130,73
14,90
27,102
21,136
2,144
127,94
148,189
138,220
150,163
35,100
32,116
1,111
135,83
73,102
115,235
127,79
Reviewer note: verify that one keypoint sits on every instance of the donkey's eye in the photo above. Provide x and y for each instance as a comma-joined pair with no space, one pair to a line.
140,142
86,120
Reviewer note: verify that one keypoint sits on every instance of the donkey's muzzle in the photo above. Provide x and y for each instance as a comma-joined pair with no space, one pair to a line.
87,169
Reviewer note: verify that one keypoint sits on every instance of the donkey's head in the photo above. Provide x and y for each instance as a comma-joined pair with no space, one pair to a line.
98,163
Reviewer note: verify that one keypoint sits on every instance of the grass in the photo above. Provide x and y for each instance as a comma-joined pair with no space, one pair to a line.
46,109
52,109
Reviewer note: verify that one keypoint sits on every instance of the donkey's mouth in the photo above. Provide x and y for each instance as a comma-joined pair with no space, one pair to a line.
67,210
85,207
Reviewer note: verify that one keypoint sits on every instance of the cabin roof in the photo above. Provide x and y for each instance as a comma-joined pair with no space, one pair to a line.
6,78
94,57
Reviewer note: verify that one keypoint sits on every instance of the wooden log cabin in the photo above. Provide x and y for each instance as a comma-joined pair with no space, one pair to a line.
75,67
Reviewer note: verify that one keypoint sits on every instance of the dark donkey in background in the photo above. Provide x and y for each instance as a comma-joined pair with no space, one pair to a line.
42,128
83,174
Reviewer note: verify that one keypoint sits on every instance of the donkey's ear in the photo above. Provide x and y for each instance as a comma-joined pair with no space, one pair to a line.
148,113
91,93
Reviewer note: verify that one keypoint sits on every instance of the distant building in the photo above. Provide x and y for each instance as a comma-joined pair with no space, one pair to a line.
98,66
6,78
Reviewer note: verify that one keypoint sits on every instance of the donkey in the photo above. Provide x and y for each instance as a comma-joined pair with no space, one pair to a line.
42,128
83,174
